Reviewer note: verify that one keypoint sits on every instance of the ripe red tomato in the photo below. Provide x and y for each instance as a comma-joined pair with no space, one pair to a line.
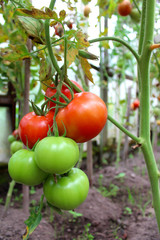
135,104
69,191
83,118
124,8
23,169
69,25
33,127
50,92
56,154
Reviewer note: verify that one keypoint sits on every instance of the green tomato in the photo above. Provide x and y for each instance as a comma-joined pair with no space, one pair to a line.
11,138
56,154
67,192
23,169
15,146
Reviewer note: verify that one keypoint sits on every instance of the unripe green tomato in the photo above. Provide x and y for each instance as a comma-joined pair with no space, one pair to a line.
128,55
22,168
156,111
15,146
67,192
56,154
135,15
11,138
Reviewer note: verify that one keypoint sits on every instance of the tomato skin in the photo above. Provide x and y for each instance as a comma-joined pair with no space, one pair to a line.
33,127
69,191
124,8
86,11
50,92
11,138
15,146
56,154
84,117
23,169
135,104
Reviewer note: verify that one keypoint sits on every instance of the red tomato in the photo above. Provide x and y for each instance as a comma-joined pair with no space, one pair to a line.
135,104
69,25
124,8
83,118
59,30
50,92
33,127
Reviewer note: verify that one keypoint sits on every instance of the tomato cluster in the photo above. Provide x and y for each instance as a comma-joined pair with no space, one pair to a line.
52,163
51,160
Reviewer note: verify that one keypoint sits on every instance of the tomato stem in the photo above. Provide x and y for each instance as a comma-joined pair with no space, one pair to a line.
123,129
48,41
116,39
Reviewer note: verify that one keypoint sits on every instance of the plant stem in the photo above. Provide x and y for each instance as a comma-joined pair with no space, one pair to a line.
117,40
48,41
123,129
144,65
9,196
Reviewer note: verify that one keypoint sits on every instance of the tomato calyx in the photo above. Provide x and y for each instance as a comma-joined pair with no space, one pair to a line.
38,111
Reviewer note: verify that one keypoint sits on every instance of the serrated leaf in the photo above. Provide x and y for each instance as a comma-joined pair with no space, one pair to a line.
86,68
34,219
38,14
18,52
81,39
45,73
32,222
85,2
71,55
62,15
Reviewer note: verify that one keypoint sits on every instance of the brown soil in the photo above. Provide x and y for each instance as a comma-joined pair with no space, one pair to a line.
118,206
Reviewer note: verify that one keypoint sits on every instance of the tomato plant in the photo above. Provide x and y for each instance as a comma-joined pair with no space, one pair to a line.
33,127
51,91
124,8
23,169
69,191
15,146
56,154
83,118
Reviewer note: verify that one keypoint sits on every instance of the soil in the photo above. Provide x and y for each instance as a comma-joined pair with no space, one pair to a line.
118,206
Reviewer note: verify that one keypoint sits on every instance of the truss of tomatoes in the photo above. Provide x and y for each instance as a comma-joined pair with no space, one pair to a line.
53,160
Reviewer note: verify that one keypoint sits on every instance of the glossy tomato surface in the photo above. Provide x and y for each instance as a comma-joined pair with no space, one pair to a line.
69,191
83,118
50,92
124,8
56,154
15,146
23,169
33,127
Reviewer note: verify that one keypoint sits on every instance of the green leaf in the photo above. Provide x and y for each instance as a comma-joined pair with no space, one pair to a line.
62,15
34,219
16,53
